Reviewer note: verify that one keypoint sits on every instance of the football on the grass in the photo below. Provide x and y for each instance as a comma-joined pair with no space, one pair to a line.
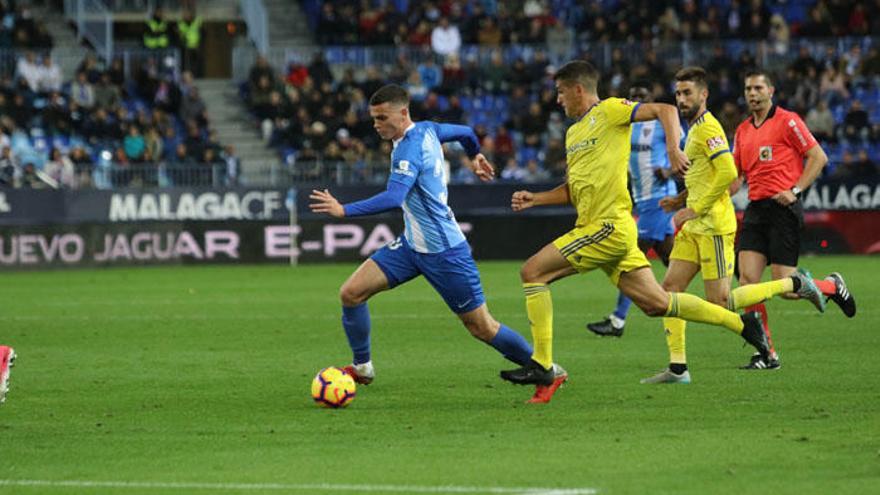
333,387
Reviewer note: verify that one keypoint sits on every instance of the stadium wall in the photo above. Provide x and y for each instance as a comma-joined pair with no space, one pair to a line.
252,225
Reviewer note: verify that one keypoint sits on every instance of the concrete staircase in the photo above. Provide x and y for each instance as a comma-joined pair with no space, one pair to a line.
228,115
67,51
287,24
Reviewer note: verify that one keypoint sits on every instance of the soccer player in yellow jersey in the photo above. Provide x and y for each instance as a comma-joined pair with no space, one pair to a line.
708,225
605,234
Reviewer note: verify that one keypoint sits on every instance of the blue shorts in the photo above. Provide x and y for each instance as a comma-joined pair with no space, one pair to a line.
452,273
654,223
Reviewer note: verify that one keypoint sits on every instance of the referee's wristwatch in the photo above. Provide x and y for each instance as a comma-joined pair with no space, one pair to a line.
796,191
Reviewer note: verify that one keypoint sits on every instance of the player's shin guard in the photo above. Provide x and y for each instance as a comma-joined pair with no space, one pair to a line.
692,308
512,345
675,341
356,322
752,294
760,308
539,308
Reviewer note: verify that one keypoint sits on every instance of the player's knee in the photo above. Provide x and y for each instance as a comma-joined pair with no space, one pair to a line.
350,296
482,328
479,331
528,274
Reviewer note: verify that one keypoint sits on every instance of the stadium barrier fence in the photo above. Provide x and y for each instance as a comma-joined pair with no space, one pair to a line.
768,54
56,228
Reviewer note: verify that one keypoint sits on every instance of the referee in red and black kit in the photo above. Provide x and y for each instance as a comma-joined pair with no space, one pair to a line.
779,158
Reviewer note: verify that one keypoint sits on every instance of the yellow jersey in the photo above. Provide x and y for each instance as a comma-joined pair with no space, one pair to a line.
597,150
711,172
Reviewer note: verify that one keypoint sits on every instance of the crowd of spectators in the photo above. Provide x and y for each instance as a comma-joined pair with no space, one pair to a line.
316,114
20,29
317,120
59,130
103,128
446,24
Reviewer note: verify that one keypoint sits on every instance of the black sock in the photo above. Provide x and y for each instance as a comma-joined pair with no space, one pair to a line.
795,283
678,368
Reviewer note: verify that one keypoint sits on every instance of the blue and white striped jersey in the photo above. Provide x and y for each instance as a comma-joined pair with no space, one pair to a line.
417,163
649,152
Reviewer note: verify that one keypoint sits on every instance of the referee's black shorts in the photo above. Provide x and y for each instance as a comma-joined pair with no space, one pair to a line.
773,230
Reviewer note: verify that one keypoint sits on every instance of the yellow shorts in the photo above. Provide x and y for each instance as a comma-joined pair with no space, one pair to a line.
714,253
613,248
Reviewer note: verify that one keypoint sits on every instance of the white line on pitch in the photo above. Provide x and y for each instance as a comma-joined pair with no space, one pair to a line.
142,485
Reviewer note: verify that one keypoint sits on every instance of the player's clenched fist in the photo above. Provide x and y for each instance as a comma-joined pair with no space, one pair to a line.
522,200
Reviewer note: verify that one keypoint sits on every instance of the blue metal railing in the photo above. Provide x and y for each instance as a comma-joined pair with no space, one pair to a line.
94,22
254,14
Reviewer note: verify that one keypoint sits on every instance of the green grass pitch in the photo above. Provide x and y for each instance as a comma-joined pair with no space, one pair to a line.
196,380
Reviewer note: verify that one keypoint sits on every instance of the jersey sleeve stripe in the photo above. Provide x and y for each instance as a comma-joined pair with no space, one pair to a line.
632,116
716,155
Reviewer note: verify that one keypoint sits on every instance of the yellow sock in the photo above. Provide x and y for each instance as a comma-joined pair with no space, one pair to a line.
747,295
539,308
692,308
674,329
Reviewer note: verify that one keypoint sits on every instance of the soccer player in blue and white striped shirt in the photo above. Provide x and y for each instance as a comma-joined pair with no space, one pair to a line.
433,245
650,182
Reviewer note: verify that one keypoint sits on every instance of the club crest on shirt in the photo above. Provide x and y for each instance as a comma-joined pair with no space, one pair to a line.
646,131
765,154
403,168
714,142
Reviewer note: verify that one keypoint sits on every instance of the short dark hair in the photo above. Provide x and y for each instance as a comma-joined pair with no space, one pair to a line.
759,72
390,93
641,83
579,72
694,74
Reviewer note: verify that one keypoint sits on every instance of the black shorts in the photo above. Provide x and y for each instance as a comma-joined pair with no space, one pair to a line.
773,230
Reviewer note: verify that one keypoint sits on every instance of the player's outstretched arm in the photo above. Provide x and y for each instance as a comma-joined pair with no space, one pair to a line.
324,202
523,200
388,199
668,117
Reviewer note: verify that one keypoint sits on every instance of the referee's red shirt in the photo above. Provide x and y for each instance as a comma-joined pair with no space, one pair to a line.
771,156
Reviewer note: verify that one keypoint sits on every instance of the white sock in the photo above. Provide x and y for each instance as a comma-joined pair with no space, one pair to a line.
616,322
